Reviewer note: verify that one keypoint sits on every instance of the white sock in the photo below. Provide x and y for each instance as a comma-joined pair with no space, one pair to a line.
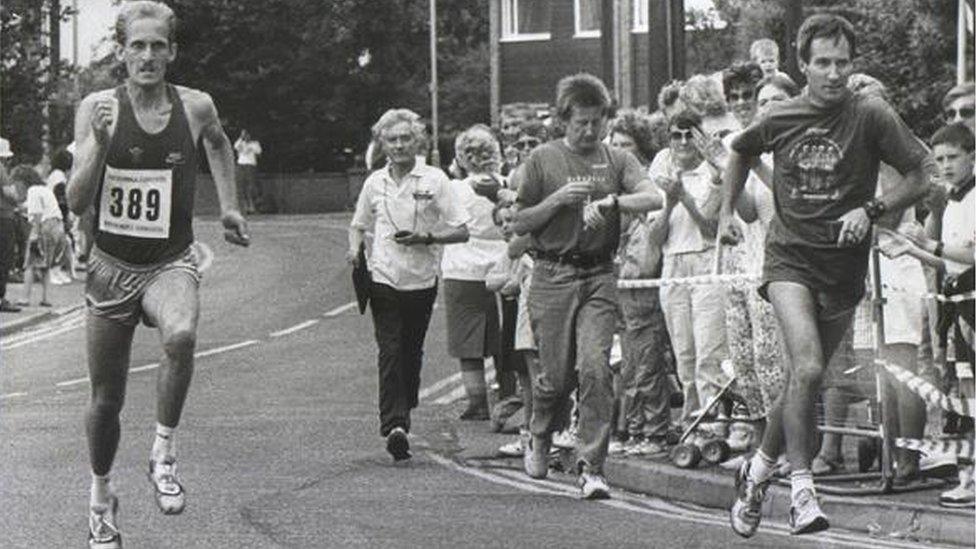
800,480
761,467
164,445
100,490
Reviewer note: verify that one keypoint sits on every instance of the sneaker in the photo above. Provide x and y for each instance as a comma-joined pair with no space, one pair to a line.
397,444
806,517
515,448
8,307
103,533
746,511
961,496
168,491
536,458
593,486
938,465
616,447
565,439
648,447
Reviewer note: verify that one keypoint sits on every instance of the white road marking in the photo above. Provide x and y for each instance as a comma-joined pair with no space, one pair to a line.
201,354
426,392
663,509
295,328
341,309
56,327
12,395
458,392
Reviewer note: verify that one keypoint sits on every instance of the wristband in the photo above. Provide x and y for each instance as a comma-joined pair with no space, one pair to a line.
429,239
875,209
616,202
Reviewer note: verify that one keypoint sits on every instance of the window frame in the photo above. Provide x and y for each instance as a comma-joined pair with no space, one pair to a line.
577,33
509,25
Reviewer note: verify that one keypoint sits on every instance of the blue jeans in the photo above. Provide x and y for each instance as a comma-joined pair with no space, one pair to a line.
573,311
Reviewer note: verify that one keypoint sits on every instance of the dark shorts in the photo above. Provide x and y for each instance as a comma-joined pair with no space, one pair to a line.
115,289
472,319
835,275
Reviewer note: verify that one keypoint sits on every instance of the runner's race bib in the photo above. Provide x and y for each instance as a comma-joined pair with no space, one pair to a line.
136,202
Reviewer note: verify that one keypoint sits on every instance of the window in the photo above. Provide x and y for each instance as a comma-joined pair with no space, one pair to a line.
525,20
587,16
640,16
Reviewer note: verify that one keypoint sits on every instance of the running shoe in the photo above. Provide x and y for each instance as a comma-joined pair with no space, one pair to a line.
103,531
746,511
536,459
170,497
648,447
961,496
806,517
565,439
397,444
593,486
616,447
515,448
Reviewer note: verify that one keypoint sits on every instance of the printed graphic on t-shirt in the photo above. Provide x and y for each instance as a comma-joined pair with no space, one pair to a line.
597,178
136,202
815,156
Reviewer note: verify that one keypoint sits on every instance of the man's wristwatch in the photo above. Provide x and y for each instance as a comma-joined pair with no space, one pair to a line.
615,205
875,209
428,239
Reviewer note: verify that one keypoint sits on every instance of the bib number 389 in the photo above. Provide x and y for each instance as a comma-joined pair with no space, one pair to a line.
136,202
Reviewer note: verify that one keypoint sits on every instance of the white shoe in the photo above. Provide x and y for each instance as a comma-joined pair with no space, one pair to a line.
616,447
565,439
515,448
961,496
103,531
168,491
593,486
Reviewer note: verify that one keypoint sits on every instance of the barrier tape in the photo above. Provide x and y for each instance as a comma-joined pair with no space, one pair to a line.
952,447
958,298
699,280
928,392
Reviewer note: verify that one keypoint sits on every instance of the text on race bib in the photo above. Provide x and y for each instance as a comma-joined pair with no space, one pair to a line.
136,202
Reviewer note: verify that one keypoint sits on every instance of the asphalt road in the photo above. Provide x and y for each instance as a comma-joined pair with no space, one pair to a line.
279,442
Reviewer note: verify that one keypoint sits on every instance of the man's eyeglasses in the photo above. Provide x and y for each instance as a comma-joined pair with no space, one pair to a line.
524,144
746,95
681,135
964,113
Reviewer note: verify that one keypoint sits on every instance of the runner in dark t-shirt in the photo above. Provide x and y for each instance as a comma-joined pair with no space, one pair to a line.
826,145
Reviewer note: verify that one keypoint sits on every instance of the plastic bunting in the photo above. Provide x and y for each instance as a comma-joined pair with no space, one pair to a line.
958,298
700,280
929,392
952,447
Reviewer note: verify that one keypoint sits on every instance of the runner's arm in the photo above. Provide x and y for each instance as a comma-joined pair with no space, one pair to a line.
219,152
733,181
644,198
89,158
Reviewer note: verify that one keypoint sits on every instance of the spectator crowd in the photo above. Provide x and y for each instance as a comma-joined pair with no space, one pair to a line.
541,218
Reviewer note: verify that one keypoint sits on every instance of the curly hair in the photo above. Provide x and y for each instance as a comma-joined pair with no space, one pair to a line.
704,95
581,90
470,146
669,94
741,74
639,127
26,174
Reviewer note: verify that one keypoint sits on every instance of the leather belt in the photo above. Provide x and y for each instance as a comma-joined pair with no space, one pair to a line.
576,259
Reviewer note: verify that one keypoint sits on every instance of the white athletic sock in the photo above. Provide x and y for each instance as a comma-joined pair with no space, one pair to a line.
800,480
164,445
761,467
100,490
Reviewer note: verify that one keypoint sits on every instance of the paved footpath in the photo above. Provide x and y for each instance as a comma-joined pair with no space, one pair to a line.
279,443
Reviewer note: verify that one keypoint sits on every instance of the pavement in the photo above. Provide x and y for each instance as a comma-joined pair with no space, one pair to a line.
280,446
64,299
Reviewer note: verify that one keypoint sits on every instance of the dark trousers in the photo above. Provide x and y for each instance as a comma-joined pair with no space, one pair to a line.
8,233
400,320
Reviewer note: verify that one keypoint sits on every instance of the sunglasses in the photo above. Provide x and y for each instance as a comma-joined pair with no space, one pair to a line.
682,135
523,144
744,96
965,112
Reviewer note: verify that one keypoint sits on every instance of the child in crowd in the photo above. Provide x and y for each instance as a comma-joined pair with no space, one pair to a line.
46,242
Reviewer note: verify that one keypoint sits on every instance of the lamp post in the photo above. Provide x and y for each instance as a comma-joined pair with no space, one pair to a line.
435,155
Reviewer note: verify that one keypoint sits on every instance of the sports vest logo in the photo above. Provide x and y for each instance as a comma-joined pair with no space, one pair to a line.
174,158
136,153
